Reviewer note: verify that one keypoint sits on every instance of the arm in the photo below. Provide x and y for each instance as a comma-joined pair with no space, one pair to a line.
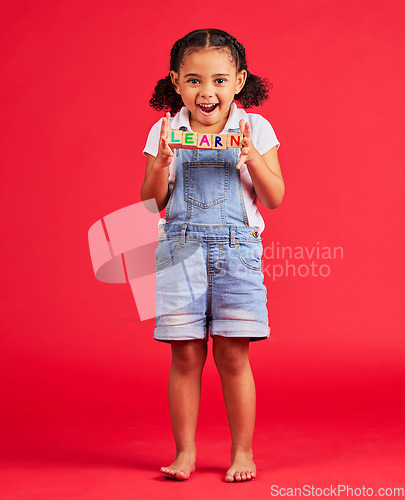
264,170
156,182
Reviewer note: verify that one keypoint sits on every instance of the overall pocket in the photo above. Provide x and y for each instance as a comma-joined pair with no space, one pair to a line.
165,251
206,182
250,254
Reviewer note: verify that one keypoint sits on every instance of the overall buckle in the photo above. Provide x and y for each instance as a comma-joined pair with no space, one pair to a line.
183,235
232,237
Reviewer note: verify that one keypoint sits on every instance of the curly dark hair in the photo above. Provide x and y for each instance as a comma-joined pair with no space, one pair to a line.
254,92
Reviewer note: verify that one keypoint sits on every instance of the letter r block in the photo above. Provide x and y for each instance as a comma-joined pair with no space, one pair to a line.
219,141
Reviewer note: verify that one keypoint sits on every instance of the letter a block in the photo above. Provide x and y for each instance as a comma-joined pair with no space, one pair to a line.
235,140
204,141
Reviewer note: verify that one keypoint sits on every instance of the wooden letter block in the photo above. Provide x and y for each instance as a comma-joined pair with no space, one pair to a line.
204,141
235,140
193,140
175,138
219,141
189,140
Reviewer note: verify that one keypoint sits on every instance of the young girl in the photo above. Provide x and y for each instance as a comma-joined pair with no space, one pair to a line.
208,258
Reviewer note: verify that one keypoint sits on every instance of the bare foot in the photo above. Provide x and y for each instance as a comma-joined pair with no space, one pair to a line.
242,469
181,468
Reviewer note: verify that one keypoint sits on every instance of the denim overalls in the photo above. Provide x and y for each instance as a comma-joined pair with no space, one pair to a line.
208,258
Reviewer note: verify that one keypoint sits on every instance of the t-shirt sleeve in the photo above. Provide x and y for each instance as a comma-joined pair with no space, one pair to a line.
263,135
152,142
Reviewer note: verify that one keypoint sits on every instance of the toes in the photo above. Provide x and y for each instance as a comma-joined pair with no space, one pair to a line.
245,475
174,473
181,475
167,472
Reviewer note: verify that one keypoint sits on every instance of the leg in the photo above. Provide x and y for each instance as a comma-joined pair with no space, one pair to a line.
188,358
231,357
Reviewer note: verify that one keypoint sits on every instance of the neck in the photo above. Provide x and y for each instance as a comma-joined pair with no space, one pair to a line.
207,129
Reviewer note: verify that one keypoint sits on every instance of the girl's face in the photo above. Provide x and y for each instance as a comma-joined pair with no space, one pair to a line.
207,82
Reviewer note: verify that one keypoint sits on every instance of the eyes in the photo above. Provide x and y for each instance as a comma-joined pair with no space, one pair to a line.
195,81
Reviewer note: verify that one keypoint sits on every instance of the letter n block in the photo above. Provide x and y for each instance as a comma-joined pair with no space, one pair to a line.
235,140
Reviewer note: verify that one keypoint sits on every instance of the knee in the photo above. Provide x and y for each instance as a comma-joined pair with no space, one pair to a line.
190,357
231,359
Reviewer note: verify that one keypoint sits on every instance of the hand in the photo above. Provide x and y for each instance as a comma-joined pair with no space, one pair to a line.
248,151
165,152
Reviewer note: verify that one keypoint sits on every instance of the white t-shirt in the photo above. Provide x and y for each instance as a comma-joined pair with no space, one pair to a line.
263,137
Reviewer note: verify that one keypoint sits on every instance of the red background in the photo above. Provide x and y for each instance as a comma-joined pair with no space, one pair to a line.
84,394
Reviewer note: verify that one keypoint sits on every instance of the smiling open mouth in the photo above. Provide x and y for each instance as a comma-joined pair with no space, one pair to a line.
207,108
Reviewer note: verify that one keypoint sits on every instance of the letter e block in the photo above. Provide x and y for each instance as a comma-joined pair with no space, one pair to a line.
189,140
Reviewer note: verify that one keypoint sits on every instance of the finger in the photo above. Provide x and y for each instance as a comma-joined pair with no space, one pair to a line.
241,161
166,145
246,133
163,140
165,124
164,135
243,157
241,125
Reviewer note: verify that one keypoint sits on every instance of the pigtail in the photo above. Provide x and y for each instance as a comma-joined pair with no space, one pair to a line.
256,89
165,97
254,92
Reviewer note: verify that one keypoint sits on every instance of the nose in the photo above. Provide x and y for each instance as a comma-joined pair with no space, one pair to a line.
206,90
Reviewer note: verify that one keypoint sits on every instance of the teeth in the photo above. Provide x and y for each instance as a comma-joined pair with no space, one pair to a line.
207,105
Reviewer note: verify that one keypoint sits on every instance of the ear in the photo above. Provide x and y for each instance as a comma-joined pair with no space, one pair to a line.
175,80
240,80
